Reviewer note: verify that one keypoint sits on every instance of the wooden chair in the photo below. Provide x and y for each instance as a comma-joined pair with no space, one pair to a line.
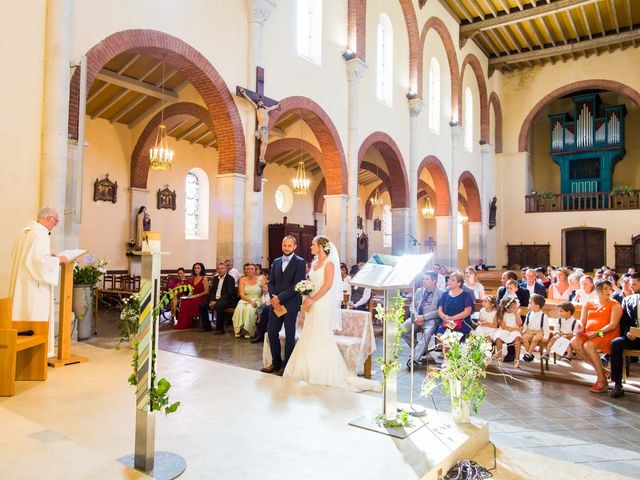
626,363
21,357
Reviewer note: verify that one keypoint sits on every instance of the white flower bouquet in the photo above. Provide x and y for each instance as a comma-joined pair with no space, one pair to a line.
304,287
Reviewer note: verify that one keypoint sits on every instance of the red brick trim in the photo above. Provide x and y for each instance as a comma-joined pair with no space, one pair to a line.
474,63
398,184
425,189
415,50
318,197
464,203
335,166
452,59
494,102
357,27
194,67
173,115
442,196
473,207
601,84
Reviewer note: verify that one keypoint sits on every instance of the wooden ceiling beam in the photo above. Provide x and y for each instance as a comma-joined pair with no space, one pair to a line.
213,142
177,126
464,10
477,8
473,28
614,15
599,17
576,35
201,136
547,30
628,5
109,103
536,33
128,108
190,130
513,38
135,85
569,49
133,60
560,29
491,7
585,20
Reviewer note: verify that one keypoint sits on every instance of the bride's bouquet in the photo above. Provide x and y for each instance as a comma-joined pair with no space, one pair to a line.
304,287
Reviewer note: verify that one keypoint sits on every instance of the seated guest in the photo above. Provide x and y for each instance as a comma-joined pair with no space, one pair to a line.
542,278
599,325
231,270
487,323
262,322
509,328
586,292
175,282
346,278
625,289
250,291
574,285
626,341
189,305
221,296
359,298
565,326
511,289
560,290
552,271
535,328
455,307
471,282
480,266
424,311
532,283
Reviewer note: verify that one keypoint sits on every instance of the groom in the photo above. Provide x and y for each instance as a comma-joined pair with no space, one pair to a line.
286,272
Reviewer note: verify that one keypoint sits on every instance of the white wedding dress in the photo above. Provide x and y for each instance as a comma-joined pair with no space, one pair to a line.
316,357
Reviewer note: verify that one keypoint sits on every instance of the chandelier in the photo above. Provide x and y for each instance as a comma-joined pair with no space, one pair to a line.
428,210
301,183
160,155
376,200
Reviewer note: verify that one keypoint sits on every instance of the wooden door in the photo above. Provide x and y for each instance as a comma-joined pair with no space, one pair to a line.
585,248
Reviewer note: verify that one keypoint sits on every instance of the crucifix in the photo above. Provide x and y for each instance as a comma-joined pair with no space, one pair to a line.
263,106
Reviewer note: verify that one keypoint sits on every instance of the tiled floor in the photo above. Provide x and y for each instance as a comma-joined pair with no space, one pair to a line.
553,419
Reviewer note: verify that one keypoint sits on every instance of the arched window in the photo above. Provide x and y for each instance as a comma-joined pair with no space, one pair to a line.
310,30
387,228
434,96
384,90
468,120
196,206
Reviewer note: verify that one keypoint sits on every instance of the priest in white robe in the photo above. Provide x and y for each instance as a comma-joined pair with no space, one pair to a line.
35,271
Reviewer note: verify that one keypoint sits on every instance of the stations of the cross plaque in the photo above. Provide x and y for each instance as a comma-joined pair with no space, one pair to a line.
263,105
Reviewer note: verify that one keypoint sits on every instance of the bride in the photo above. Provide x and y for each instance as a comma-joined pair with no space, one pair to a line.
316,357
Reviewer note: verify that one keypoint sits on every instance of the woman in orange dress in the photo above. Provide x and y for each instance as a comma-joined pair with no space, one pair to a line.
190,305
599,324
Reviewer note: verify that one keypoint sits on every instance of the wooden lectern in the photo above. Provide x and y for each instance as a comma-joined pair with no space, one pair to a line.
64,356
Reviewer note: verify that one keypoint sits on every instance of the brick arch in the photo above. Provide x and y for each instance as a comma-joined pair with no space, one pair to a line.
335,166
494,102
368,208
193,66
599,84
425,189
452,59
474,63
357,27
173,115
318,196
464,203
474,208
442,195
398,184
415,50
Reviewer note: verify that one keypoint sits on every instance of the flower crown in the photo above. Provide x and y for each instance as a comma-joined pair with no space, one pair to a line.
326,249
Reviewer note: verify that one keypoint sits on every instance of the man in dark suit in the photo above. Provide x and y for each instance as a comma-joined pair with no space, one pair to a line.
532,283
286,272
626,341
521,293
222,295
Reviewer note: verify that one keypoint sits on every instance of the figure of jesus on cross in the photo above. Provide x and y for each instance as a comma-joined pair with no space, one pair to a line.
263,106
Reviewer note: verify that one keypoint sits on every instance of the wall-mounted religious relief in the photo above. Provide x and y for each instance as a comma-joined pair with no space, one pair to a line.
166,198
105,190
377,225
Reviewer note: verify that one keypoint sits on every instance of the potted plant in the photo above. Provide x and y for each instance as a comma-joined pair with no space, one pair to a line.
129,318
461,373
85,279
622,190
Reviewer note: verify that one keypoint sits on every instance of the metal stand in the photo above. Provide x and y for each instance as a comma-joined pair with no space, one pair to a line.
416,410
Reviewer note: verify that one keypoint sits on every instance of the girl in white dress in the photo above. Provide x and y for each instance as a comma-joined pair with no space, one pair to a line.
316,357
487,323
510,328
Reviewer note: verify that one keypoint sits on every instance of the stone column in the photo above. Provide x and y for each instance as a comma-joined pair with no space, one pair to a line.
336,211
320,220
355,70
415,107
457,145
55,112
443,240
487,191
475,242
258,11
229,204
400,239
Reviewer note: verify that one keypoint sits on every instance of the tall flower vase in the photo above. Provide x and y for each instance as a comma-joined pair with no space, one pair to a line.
460,407
83,310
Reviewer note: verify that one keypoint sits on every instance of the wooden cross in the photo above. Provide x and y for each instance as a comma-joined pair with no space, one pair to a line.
263,106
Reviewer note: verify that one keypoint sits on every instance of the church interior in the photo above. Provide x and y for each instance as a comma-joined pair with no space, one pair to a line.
494,132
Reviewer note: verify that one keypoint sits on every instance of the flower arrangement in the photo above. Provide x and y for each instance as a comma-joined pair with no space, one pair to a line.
91,272
304,287
462,370
129,316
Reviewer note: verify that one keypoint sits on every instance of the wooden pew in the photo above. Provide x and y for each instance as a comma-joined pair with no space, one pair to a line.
21,357
491,279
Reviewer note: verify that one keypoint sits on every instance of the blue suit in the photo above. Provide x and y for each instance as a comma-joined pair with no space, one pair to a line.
281,283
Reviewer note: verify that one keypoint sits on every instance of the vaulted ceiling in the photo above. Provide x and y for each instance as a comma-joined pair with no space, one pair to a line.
517,34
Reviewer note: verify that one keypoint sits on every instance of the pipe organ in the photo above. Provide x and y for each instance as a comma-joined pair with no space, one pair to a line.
587,143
